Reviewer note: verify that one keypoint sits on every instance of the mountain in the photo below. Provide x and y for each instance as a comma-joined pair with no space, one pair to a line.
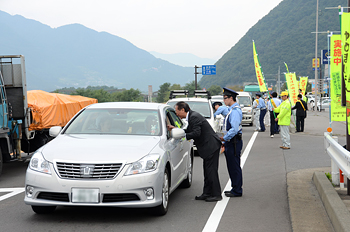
283,35
184,59
76,56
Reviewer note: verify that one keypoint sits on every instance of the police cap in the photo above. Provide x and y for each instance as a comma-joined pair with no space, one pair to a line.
229,92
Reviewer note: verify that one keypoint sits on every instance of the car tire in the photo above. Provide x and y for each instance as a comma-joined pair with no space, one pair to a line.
162,209
43,209
186,183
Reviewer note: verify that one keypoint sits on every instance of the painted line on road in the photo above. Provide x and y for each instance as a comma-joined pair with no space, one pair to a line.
11,192
219,209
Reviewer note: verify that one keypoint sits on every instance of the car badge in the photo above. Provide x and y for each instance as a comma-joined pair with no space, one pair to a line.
86,170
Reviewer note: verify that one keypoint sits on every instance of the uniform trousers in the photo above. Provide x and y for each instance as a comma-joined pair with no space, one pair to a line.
256,119
233,160
261,119
300,123
285,136
273,123
211,176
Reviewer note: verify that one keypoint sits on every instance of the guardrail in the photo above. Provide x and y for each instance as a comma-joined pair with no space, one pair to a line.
340,160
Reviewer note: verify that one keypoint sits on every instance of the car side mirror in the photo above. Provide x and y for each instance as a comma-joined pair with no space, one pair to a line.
177,133
241,105
54,131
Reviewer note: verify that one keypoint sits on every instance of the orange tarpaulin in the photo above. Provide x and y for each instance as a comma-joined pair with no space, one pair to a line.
54,109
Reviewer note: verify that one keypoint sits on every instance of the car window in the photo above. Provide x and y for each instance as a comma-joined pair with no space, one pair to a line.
116,121
245,100
201,107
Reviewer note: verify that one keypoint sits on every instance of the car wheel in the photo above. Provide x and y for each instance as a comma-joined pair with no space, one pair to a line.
162,209
186,183
43,209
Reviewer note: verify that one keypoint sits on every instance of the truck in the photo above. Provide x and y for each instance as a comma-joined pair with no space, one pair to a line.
26,116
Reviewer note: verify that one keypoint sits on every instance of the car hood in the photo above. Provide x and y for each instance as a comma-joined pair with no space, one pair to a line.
99,148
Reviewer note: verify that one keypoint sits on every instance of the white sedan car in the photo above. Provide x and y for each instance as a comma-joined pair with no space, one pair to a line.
111,154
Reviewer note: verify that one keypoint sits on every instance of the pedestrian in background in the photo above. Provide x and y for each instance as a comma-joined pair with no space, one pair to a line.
233,143
208,145
262,108
273,103
301,108
283,119
256,114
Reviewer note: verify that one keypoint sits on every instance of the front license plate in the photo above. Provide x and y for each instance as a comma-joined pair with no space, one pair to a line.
85,195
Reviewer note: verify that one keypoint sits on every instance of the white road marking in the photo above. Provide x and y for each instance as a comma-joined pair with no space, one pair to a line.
216,215
11,192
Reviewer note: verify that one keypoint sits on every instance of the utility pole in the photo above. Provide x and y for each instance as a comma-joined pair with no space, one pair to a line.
195,76
316,60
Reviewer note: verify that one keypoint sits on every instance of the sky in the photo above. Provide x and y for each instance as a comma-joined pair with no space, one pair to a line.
205,28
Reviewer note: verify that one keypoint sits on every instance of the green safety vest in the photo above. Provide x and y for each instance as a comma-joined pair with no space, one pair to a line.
284,113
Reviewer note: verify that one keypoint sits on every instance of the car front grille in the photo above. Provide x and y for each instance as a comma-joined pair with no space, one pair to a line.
54,196
88,171
119,197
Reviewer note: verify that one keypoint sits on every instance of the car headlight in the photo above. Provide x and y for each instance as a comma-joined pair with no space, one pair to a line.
39,164
148,163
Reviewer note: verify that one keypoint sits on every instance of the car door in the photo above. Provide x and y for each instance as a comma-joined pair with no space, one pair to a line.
179,150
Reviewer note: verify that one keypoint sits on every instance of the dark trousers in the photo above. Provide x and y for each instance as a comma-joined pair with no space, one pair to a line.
273,123
261,119
233,160
211,175
300,123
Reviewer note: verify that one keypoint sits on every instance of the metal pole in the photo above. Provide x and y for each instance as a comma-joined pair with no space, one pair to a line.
279,80
195,77
316,57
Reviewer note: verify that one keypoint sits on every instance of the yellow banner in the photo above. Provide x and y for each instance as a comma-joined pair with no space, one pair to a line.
259,74
345,37
303,84
293,90
337,111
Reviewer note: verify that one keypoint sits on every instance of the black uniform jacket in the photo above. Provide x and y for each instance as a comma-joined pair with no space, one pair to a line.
206,140
300,110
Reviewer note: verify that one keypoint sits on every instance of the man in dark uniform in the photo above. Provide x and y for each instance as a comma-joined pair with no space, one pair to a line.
208,145
233,143
301,107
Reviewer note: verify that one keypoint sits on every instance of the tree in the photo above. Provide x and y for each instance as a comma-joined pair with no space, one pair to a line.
215,90
163,92
190,87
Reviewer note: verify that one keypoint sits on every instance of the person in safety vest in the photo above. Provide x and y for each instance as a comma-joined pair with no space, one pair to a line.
301,107
283,119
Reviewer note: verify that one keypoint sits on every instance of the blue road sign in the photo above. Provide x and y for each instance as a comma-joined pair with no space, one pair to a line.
324,56
208,69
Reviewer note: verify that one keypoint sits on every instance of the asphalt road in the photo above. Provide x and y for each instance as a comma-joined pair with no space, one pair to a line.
263,207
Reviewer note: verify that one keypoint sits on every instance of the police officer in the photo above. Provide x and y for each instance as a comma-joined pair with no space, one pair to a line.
233,142
262,107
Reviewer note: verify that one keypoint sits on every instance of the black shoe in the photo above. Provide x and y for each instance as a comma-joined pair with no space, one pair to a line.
277,132
227,192
232,195
261,131
211,199
202,197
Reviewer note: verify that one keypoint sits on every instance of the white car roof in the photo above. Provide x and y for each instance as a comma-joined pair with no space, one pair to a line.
189,99
127,105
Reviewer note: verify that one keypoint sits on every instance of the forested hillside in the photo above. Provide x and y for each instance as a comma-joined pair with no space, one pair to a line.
284,35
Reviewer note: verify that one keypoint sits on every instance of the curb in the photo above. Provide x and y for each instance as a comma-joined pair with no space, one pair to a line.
335,208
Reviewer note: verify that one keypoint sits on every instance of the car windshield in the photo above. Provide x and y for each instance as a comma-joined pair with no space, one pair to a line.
245,100
116,121
201,107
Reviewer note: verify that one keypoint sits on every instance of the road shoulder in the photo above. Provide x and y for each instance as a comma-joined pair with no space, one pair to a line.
305,205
